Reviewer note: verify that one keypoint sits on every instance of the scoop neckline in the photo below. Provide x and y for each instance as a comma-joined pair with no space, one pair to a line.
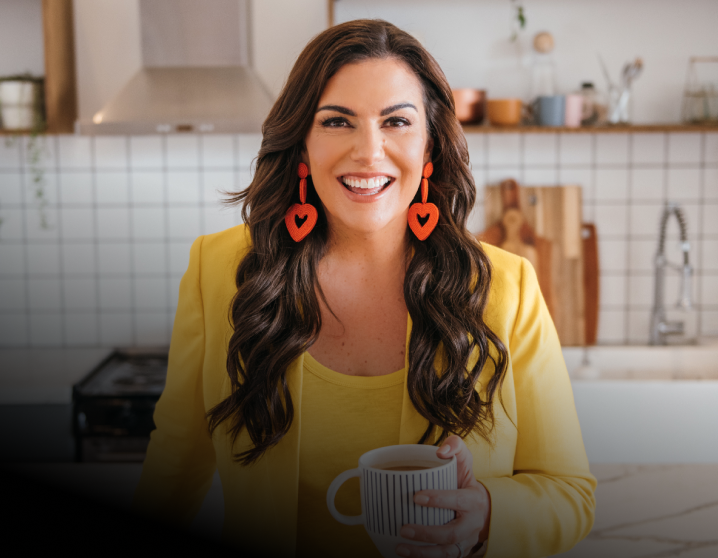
364,382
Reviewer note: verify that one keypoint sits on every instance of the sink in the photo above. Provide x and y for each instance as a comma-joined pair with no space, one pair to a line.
647,404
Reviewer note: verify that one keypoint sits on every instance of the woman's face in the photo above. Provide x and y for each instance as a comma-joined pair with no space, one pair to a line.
368,145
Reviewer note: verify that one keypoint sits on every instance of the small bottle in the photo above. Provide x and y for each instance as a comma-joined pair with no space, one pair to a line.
589,112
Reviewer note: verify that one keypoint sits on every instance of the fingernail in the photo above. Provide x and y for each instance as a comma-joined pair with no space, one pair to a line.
407,532
421,499
444,448
401,551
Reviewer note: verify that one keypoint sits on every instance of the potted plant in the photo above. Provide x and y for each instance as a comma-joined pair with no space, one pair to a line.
22,103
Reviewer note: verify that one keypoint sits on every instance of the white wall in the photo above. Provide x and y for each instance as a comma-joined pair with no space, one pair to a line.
470,39
21,45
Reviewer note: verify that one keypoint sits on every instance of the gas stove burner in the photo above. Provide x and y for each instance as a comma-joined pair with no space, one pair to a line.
113,406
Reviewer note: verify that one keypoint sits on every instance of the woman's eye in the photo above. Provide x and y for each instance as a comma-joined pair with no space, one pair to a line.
335,122
397,122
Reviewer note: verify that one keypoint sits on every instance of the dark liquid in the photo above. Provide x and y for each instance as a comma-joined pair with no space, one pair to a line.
405,468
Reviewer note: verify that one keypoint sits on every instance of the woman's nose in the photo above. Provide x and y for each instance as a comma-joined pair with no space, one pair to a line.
368,146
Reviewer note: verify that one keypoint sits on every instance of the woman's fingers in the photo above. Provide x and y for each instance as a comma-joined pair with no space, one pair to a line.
464,460
457,531
467,500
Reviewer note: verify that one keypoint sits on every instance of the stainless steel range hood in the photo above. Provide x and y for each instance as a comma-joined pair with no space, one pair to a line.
196,75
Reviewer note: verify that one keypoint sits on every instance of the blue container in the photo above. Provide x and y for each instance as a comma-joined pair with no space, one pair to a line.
550,110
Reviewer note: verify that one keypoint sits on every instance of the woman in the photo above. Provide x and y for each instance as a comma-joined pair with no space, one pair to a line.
349,330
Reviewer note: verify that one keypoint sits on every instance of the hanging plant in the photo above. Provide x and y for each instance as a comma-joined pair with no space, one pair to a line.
518,18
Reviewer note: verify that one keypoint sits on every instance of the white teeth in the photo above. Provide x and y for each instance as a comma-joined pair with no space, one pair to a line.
366,183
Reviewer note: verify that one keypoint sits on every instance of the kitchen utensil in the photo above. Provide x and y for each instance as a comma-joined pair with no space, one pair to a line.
553,214
469,105
550,110
574,110
591,284
512,232
504,112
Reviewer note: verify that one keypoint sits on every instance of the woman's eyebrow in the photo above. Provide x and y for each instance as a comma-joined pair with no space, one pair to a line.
337,108
389,110
350,112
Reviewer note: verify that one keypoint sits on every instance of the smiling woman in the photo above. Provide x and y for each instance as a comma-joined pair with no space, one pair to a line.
356,325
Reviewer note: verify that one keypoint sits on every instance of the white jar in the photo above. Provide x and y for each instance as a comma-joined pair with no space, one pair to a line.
18,104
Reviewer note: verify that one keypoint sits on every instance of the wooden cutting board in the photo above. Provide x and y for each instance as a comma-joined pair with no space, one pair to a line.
553,215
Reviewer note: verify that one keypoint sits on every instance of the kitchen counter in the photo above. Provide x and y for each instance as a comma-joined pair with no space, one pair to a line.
646,511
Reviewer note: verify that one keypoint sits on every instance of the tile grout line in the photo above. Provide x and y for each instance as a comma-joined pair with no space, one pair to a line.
24,237
698,267
131,239
627,277
95,239
60,244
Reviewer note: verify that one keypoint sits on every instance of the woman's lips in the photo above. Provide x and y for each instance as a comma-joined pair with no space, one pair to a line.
366,186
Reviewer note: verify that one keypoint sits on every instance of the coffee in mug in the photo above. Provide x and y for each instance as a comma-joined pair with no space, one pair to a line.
389,478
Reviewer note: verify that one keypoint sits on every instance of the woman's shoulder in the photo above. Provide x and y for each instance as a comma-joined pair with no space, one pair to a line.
229,245
505,266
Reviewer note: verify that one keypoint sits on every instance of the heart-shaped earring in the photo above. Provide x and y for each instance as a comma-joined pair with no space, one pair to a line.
302,210
423,209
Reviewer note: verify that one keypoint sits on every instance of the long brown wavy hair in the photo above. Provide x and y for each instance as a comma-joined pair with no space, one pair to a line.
276,314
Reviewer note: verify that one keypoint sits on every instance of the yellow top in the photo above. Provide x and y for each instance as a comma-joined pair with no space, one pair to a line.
342,418
542,492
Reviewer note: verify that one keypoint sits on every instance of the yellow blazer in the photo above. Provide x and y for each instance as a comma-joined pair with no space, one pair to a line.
542,493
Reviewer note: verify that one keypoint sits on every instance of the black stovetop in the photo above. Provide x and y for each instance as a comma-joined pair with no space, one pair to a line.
127,373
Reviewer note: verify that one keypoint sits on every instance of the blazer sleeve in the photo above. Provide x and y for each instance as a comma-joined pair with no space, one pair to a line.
548,504
180,461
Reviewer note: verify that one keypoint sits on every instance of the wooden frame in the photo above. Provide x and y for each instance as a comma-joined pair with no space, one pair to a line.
60,75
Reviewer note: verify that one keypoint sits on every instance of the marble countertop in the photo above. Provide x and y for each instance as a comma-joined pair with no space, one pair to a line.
653,511
643,511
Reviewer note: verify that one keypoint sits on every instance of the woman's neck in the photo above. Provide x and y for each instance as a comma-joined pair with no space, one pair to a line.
387,248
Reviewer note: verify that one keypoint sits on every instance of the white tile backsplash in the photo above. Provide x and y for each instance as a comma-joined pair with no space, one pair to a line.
575,150
80,329
540,150
74,152
114,258
182,151
711,148
218,151
76,188
148,222
80,293
648,149
112,187
684,148
184,222
710,183
149,258
116,329
477,150
12,294
44,294
78,258
611,149
9,153
183,187
146,152
111,152
115,293
684,184
611,185
46,329
147,187
113,223
43,259
504,150
647,184
11,188
107,269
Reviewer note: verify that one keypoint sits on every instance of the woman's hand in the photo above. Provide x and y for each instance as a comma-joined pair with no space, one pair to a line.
471,503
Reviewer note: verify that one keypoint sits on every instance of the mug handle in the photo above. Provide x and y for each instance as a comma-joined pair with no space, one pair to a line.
332,493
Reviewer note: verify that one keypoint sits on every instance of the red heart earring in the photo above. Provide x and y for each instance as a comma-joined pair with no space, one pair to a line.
302,210
423,209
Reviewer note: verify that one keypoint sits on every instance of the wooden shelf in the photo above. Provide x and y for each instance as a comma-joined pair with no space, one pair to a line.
618,129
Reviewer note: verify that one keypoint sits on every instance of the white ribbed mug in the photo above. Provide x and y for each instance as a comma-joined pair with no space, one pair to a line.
387,497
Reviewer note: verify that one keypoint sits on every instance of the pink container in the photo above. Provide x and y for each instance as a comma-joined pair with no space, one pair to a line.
574,104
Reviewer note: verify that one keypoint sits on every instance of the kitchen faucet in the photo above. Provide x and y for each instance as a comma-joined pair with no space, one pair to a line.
660,327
